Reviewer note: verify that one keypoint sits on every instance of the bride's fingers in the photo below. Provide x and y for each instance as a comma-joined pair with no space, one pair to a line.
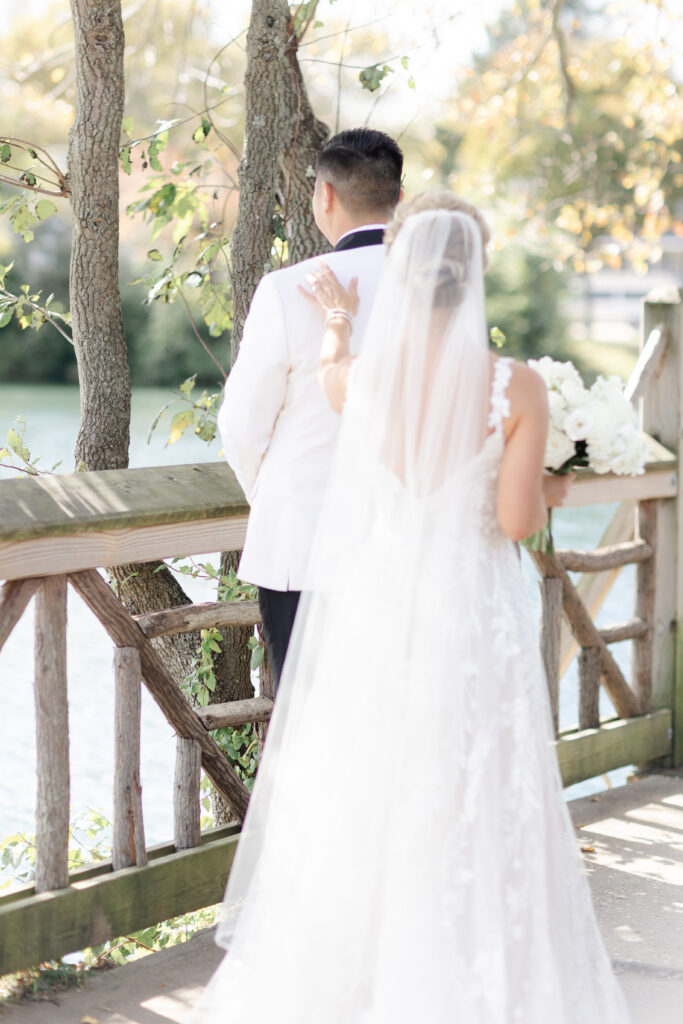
308,295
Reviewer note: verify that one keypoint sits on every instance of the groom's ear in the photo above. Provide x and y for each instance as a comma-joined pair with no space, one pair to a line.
328,195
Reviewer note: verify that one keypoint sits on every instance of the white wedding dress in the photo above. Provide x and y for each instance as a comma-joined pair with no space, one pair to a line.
408,856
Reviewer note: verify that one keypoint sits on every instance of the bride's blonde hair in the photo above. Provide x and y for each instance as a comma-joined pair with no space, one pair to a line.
436,199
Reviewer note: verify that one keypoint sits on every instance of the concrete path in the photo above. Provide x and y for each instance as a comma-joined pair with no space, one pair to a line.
633,847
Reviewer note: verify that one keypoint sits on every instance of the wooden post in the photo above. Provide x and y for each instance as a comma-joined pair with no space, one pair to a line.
52,736
129,831
551,628
661,416
126,633
266,689
186,806
646,580
14,596
594,587
589,688
586,634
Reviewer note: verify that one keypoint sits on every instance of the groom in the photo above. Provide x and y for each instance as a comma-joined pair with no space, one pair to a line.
277,428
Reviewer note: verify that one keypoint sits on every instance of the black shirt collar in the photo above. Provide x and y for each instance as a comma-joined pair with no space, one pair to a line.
359,239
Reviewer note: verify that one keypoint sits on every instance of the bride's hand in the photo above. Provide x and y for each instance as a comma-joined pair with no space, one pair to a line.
555,488
328,292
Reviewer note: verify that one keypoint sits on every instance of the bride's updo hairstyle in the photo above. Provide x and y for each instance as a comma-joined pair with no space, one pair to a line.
449,277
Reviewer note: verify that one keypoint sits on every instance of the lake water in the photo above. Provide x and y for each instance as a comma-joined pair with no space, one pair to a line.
52,415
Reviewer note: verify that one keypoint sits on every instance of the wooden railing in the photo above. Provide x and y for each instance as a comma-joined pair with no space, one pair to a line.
644,532
57,532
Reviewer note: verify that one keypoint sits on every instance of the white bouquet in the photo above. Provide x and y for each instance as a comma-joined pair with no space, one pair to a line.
589,427
594,427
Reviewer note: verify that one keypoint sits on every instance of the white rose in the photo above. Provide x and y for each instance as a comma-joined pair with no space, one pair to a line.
578,424
600,456
603,427
558,449
558,409
543,367
574,394
562,372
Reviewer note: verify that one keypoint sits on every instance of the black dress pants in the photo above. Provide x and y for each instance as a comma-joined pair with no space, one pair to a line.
278,611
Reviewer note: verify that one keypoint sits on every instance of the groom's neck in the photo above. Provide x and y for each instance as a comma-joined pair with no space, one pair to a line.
344,225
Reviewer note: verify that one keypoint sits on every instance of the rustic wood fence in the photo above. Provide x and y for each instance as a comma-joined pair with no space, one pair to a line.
56,531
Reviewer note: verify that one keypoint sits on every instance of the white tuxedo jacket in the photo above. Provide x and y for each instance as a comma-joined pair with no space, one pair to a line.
277,428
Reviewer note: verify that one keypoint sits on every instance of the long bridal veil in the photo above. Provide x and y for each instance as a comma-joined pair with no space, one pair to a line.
416,413
406,855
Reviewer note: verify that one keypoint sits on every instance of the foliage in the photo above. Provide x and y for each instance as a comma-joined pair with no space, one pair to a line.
523,295
162,346
570,124
40,982
27,307
199,414
25,213
150,940
18,450
239,744
89,841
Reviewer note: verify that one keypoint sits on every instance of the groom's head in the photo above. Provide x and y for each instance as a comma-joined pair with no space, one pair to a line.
357,181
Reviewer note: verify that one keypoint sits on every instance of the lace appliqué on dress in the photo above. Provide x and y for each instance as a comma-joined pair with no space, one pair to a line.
500,403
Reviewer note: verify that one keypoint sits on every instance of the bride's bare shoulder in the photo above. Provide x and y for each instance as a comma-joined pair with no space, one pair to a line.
526,392
526,385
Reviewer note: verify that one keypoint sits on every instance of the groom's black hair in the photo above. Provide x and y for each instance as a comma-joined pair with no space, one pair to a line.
365,167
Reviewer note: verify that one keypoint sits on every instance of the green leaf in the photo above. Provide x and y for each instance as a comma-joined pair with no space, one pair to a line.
257,657
200,133
371,78
154,254
155,147
497,337
45,209
125,159
127,126
187,385
404,63
5,152
5,317
180,422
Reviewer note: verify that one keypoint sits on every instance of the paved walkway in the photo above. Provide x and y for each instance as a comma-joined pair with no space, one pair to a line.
633,842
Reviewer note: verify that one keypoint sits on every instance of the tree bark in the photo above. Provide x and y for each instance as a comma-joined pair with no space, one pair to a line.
303,137
273,168
98,333
263,122
143,589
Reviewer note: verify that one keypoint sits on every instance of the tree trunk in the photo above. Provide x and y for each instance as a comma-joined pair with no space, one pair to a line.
303,137
281,141
98,333
263,123
98,330
145,588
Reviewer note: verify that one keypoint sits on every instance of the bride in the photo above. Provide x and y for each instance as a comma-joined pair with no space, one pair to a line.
407,855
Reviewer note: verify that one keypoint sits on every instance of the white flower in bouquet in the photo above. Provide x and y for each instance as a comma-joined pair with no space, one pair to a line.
593,427
558,449
579,423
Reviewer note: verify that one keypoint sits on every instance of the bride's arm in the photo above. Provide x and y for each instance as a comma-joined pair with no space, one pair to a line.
525,492
334,362
340,305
